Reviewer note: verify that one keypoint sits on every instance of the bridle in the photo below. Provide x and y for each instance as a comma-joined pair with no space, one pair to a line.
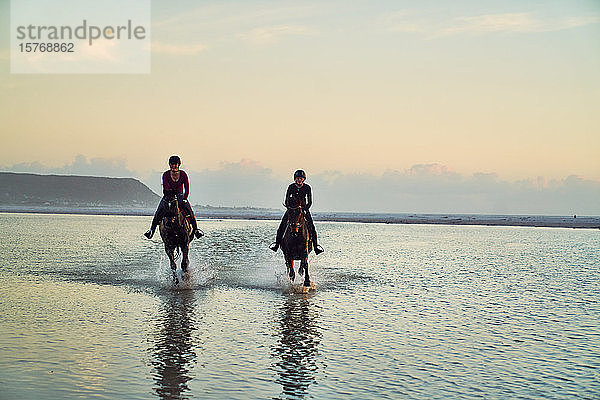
298,222
174,213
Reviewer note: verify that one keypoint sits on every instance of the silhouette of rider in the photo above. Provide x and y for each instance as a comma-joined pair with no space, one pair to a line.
298,193
175,180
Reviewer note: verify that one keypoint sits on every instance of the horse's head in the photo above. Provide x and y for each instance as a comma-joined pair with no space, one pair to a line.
295,215
172,211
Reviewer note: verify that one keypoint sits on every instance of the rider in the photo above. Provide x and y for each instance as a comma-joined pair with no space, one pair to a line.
300,192
175,180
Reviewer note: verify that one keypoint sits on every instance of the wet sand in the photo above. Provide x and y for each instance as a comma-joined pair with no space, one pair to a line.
589,222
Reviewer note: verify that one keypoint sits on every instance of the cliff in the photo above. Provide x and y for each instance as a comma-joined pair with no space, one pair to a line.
73,191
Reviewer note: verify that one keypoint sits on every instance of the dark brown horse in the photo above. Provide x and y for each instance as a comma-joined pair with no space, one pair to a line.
176,233
296,243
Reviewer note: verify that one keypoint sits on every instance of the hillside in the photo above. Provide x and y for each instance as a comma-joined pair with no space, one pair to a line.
73,191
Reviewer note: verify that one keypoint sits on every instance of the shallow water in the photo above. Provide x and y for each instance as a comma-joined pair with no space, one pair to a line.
87,309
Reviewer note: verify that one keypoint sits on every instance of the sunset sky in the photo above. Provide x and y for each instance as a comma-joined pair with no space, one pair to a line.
509,89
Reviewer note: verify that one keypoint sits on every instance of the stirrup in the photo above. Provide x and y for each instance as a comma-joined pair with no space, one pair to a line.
149,233
198,233
318,249
274,246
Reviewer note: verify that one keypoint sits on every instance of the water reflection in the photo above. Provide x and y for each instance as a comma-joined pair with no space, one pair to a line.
296,350
173,351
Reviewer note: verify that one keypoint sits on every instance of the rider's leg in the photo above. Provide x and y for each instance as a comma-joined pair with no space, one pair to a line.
281,229
187,209
158,214
313,232
196,231
280,232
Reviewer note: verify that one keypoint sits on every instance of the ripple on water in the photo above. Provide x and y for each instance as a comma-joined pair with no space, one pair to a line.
399,311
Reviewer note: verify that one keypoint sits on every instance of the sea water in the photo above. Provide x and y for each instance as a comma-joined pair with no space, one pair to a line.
88,310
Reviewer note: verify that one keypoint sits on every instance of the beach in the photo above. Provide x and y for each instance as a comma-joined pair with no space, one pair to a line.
249,213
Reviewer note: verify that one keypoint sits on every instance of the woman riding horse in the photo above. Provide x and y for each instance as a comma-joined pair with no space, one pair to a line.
302,193
175,180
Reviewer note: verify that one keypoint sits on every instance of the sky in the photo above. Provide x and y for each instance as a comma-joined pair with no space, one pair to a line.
389,106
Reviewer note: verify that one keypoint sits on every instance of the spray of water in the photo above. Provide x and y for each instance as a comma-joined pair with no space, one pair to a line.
199,274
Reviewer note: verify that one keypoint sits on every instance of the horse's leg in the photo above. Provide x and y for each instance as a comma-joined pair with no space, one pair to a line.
289,263
304,266
185,262
170,253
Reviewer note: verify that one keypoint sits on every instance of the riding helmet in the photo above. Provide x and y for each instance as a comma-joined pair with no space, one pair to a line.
299,174
174,160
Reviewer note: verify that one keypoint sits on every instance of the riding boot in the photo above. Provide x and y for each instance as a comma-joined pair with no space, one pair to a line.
318,249
195,231
150,232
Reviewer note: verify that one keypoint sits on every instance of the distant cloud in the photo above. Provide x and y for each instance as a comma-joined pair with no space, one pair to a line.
410,21
272,34
102,50
226,17
246,183
239,184
435,169
517,22
178,49
405,21
423,188
433,188
109,167
574,22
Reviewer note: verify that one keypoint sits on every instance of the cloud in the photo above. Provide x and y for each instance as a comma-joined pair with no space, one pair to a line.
246,183
101,50
237,184
434,169
405,21
423,188
178,49
574,22
225,17
109,167
434,188
272,34
410,21
517,22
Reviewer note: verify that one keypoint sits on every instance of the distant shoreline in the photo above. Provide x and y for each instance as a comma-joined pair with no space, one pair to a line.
579,222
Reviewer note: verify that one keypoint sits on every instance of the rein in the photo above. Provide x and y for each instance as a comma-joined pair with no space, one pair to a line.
299,220
177,214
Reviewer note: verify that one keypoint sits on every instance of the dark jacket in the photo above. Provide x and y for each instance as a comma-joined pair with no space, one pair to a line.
303,194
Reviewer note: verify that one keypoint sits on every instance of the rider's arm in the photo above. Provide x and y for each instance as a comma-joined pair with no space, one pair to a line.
165,183
308,197
186,185
288,194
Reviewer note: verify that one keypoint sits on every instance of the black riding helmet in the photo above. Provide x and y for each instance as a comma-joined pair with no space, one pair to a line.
299,174
174,160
